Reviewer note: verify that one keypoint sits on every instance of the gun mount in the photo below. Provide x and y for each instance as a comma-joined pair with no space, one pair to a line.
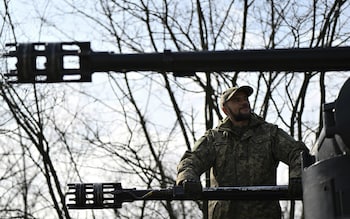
56,58
326,178
112,195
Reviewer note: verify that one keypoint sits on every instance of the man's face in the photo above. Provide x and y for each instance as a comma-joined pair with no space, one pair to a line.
238,107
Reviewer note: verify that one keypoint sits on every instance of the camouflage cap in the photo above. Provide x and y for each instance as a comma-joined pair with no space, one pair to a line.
228,94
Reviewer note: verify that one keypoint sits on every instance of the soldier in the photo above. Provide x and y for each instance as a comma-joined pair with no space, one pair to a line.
243,150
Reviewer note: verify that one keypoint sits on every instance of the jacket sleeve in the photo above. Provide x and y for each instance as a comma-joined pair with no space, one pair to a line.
288,150
194,163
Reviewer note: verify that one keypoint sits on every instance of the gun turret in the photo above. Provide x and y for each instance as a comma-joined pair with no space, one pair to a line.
112,195
56,58
326,176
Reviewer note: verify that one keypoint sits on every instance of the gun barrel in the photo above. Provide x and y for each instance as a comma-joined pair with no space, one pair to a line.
301,59
58,55
112,195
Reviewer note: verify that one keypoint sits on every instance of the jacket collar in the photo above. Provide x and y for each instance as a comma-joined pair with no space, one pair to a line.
226,125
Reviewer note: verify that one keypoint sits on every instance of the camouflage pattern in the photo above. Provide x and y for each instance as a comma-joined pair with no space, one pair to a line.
243,156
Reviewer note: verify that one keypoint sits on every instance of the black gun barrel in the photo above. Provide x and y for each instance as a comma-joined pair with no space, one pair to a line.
112,195
316,59
55,56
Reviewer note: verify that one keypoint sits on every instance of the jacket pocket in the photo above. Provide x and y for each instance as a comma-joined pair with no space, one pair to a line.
223,155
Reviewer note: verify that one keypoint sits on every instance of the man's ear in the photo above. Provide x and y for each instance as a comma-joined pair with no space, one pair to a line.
224,109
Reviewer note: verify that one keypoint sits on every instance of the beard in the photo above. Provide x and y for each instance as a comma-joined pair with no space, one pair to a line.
240,116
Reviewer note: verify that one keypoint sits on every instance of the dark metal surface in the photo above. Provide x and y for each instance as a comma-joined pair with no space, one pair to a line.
342,113
326,176
334,139
326,189
180,63
112,195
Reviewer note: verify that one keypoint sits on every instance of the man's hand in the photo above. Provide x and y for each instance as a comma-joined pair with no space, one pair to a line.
193,187
295,187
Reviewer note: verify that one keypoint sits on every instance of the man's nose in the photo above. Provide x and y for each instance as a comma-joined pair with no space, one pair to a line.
244,100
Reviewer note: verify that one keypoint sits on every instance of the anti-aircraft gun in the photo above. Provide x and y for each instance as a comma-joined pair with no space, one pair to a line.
325,178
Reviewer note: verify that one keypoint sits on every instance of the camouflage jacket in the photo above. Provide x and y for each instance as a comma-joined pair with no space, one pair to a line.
242,157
